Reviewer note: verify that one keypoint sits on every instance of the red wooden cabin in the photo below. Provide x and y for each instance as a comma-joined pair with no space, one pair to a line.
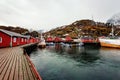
57,39
23,40
8,38
32,40
89,39
49,39
68,39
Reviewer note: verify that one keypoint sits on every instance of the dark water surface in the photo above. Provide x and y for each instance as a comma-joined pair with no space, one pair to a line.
77,63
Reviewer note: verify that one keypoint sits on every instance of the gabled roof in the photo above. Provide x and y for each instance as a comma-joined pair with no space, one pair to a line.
11,33
68,38
49,39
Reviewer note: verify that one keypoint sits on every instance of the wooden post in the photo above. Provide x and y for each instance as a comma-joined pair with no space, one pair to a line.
11,41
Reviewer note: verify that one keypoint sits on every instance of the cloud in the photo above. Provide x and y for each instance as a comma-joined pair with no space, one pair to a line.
48,14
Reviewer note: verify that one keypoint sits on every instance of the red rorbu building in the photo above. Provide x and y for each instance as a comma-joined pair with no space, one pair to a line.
31,40
68,39
49,39
57,40
10,39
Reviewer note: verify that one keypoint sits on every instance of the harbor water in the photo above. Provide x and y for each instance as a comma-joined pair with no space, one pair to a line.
77,63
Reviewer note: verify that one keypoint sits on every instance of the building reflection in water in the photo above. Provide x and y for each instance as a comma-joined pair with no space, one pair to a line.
80,54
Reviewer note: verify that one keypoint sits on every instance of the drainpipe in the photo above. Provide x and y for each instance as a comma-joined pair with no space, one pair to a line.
11,41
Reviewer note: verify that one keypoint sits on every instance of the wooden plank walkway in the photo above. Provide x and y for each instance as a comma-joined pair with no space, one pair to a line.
15,65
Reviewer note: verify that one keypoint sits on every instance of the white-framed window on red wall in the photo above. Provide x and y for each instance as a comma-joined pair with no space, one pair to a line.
14,39
22,40
0,39
25,40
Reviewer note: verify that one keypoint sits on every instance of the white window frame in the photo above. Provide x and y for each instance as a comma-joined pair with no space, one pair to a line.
22,40
14,39
0,39
25,40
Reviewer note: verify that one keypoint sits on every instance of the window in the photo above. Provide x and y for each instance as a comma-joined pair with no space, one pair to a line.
14,39
25,40
0,39
22,40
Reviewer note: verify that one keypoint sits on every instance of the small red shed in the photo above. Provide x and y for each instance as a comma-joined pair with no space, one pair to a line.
31,40
68,39
49,39
8,38
57,39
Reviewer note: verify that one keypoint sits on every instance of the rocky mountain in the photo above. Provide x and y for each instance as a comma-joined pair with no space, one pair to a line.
82,28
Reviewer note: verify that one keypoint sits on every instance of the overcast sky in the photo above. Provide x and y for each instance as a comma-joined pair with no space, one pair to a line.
48,14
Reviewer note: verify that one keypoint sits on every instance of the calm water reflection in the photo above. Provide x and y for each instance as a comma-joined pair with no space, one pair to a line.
77,63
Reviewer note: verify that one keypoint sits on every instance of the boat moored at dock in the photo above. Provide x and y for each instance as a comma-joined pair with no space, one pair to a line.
42,44
110,42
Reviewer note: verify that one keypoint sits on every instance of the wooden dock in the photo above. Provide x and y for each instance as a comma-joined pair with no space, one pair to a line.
15,65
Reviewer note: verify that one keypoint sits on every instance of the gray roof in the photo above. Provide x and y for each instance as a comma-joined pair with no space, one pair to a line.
12,33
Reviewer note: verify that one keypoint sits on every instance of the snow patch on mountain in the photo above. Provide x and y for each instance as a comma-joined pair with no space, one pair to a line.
115,19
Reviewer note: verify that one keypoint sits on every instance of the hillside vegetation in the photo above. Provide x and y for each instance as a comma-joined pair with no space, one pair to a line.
83,28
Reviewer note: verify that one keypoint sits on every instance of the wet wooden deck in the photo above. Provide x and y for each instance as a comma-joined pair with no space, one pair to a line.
15,65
